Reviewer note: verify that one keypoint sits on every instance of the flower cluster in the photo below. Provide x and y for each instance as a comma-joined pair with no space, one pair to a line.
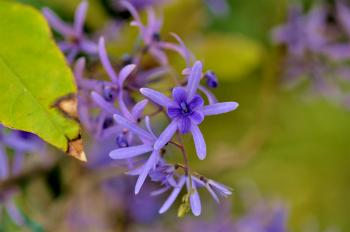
318,46
121,118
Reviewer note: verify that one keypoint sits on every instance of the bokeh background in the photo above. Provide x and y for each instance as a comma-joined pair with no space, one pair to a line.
282,146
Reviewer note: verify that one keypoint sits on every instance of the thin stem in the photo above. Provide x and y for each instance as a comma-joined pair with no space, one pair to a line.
177,165
186,161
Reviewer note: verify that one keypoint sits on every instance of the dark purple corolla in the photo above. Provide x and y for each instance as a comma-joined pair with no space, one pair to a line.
75,41
187,110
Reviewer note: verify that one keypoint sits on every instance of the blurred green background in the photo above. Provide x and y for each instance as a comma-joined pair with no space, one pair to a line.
289,146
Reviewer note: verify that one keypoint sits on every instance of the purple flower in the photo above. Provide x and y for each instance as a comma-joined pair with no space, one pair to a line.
164,173
148,138
187,110
194,198
75,41
217,188
212,81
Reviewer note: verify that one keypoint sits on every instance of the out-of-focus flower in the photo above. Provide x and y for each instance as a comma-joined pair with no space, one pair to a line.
74,35
6,199
187,110
212,81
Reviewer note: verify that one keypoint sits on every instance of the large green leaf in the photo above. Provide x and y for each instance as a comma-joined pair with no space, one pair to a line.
38,93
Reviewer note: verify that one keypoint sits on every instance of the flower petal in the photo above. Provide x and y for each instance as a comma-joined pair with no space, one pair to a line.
88,47
64,46
211,98
174,111
103,103
123,107
148,125
128,152
184,124
179,95
138,108
198,141
133,128
125,72
157,97
72,54
218,108
56,23
196,117
194,199
196,101
159,55
173,195
109,132
185,51
193,80
105,61
167,134
212,193
13,212
18,163
150,163
160,191
79,69
79,18
137,171
4,163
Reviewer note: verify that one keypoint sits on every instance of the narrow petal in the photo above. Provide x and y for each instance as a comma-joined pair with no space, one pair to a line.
172,181
88,47
137,171
174,111
79,18
179,95
57,24
150,163
157,97
193,80
199,183
173,195
196,101
186,71
72,54
64,46
105,61
148,125
160,191
4,164
196,117
211,98
218,108
185,51
167,134
159,55
123,107
138,108
18,163
103,103
212,193
134,128
124,73
194,199
13,212
109,132
79,69
128,152
184,124
198,141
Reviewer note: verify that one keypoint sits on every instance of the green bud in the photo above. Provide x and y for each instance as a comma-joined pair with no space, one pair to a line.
184,208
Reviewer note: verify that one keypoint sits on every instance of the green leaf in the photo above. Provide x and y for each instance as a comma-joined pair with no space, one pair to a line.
38,93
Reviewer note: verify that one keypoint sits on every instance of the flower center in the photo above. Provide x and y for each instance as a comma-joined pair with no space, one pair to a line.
184,107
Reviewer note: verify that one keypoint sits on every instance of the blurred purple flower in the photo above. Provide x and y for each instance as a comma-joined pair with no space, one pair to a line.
212,81
187,110
74,36
6,199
